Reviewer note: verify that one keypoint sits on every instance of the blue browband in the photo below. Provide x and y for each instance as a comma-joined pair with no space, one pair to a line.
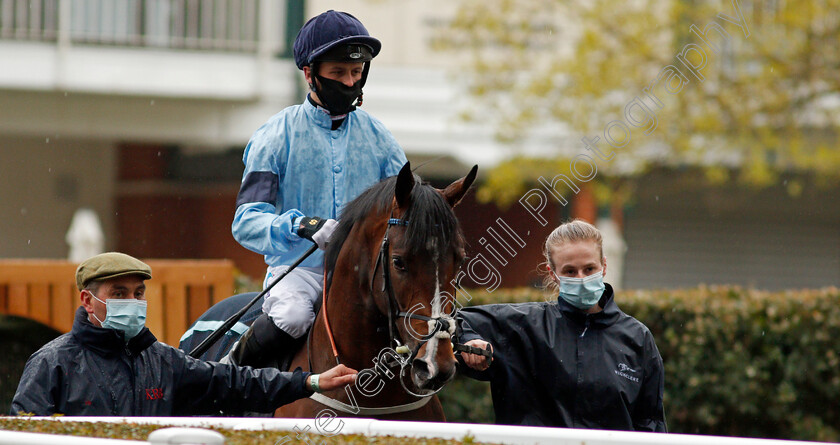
397,222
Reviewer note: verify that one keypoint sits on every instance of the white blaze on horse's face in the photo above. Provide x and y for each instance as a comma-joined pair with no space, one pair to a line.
431,346
437,312
428,357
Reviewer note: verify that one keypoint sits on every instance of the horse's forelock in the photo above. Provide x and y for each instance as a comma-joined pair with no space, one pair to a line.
430,218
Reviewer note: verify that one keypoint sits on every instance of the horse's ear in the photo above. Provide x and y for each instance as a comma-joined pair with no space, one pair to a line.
405,183
456,191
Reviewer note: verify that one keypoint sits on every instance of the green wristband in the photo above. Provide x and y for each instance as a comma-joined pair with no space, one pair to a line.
313,382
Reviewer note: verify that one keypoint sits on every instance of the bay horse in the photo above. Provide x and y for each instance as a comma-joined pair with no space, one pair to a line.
389,269
388,304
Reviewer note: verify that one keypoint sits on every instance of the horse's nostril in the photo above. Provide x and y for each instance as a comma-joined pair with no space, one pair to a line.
421,369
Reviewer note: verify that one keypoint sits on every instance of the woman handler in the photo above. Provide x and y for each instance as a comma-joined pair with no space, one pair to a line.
578,363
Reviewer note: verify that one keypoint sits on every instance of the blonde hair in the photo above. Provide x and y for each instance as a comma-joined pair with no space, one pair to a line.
568,232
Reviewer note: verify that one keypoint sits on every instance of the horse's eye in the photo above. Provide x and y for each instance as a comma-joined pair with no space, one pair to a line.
399,264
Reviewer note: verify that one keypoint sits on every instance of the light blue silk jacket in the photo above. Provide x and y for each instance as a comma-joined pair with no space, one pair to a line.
296,166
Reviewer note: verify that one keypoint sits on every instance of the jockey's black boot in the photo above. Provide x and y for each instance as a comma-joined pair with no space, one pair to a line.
264,345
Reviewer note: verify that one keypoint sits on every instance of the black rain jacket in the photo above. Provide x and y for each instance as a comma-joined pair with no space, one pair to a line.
555,365
91,371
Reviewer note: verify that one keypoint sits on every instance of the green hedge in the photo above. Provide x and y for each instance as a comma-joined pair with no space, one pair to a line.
738,362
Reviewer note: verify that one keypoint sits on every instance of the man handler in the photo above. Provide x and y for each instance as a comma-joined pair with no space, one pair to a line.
110,364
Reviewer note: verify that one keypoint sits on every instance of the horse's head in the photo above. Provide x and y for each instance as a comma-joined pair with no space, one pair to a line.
421,253
393,260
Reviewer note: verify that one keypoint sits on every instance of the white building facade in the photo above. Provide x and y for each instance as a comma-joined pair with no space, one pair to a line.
139,110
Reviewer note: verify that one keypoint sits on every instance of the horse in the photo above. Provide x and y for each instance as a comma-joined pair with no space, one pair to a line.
388,302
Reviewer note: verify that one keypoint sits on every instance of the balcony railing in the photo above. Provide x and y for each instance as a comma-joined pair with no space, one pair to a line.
219,25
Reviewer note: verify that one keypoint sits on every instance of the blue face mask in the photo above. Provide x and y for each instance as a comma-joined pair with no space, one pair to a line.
582,293
125,315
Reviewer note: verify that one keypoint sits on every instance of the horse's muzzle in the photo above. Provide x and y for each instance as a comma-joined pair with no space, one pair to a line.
432,377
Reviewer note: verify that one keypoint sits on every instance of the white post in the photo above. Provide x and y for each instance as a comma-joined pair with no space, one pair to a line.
186,435
266,44
65,12
63,41
614,249
84,236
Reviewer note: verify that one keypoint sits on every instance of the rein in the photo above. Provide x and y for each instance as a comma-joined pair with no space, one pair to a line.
327,322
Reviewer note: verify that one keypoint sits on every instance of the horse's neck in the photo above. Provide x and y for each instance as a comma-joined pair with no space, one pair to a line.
359,333
361,337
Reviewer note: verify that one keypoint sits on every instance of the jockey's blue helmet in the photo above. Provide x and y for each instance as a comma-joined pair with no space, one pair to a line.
334,36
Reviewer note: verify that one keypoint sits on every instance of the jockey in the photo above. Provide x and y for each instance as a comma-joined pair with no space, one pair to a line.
301,167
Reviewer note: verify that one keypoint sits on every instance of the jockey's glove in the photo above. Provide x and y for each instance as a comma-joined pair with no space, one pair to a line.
317,230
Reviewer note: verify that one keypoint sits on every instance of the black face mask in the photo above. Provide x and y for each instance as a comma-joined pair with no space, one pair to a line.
337,97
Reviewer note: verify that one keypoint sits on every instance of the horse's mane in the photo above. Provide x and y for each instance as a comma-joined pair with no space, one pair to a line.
429,217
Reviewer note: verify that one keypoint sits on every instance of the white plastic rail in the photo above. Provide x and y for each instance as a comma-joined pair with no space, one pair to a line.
372,427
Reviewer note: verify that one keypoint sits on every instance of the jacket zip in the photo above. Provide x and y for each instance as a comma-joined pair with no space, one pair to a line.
585,326
130,360
578,421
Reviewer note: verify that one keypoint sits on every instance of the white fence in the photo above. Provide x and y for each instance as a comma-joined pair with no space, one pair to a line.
372,427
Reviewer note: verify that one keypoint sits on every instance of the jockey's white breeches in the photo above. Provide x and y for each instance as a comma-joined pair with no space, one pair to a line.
292,301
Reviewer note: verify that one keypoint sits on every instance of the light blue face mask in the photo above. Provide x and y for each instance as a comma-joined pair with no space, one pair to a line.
125,315
582,293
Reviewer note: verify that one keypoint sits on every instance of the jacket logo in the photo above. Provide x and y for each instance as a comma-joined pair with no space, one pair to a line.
623,370
154,393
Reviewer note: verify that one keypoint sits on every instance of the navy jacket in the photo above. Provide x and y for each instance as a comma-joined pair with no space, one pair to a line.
90,371
555,365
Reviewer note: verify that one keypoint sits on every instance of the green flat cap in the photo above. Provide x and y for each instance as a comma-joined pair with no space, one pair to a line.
110,265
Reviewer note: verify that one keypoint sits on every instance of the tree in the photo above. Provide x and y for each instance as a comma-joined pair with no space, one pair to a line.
734,86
